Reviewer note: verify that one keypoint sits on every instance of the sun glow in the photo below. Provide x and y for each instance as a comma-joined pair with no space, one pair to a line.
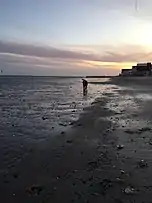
142,35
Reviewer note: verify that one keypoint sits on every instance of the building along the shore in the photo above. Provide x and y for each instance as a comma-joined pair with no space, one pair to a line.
141,69
126,72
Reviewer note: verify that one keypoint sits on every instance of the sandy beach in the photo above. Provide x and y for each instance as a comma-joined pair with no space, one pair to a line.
104,156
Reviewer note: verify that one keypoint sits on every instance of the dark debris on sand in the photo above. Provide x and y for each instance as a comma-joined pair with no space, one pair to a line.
34,190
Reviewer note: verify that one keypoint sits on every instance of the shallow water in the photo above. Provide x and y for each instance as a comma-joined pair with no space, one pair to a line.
33,107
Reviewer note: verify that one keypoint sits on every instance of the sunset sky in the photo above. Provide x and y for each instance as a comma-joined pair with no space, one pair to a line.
74,37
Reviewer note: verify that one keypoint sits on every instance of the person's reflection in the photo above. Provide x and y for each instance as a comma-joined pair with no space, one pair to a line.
85,87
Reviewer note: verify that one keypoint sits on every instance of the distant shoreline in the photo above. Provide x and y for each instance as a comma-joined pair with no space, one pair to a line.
80,76
91,76
42,76
100,76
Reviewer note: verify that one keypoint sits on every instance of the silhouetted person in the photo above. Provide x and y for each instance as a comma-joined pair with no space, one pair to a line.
85,86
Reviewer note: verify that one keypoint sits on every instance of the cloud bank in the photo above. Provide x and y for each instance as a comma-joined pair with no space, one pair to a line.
33,59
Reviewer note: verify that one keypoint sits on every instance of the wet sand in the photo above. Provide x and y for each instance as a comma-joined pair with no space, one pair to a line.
104,157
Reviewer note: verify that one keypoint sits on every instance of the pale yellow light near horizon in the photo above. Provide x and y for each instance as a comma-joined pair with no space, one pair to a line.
113,65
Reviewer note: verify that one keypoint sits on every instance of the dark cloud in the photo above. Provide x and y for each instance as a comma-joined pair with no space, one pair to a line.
39,51
18,58
128,53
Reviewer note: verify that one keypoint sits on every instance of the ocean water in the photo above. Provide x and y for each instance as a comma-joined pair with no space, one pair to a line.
33,108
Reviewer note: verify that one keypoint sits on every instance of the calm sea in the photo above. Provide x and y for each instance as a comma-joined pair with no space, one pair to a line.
33,107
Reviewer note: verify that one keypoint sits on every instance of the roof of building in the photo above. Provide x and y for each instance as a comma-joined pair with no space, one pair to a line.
126,69
141,64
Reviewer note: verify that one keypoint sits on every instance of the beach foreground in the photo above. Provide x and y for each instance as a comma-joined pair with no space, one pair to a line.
104,157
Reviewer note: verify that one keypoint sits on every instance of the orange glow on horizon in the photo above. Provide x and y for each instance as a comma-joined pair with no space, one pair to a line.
113,65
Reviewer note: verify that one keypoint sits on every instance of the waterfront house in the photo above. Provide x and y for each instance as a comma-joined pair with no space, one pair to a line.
141,69
125,72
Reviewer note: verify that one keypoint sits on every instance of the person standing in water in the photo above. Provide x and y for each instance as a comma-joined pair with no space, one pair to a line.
85,86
